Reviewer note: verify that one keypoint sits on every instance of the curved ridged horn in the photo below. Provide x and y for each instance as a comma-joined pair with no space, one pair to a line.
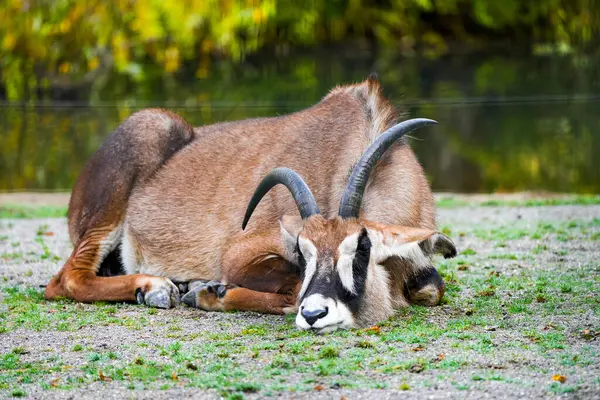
353,195
307,205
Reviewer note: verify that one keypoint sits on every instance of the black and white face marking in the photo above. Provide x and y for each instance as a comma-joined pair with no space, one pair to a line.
331,293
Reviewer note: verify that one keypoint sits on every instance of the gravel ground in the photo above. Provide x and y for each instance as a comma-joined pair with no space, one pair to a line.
495,241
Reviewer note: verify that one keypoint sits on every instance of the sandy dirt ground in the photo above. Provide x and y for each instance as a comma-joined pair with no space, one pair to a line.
512,344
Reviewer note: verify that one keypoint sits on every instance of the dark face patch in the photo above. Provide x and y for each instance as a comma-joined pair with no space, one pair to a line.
326,280
301,261
360,267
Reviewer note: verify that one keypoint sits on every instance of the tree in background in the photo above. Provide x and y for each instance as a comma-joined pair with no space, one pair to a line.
48,43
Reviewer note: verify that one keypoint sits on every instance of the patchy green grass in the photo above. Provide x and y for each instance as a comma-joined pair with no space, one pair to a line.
561,231
18,211
455,202
569,201
451,202
27,309
486,313
510,311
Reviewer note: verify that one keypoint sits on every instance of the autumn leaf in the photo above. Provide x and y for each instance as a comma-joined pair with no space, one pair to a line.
103,377
541,298
174,376
487,292
418,348
54,382
589,335
318,388
559,378
374,330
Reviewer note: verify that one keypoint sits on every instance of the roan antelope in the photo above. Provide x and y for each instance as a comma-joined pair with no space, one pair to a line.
162,202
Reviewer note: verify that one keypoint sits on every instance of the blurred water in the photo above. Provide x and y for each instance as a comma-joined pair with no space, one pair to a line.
506,123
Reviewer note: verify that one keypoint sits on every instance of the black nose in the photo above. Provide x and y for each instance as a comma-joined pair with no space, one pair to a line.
312,316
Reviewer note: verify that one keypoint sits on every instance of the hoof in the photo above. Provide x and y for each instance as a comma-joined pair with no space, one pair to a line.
162,294
207,296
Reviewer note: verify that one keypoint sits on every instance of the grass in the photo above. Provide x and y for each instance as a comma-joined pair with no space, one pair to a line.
19,211
510,312
418,340
453,202
29,310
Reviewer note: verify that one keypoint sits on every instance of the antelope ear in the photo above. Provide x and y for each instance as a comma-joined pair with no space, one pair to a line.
410,243
438,243
290,229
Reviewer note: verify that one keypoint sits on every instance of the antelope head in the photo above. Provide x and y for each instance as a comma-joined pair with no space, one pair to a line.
345,261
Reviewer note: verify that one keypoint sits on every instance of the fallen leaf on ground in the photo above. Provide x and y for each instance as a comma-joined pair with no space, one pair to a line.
541,299
174,376
418,348
54,382
589,335
103,377
487,292
374,329
559,378
318,388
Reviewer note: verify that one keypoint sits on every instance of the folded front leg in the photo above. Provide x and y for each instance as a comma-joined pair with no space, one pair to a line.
215,296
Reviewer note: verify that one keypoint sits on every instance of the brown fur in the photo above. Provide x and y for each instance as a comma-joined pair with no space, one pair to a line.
175,196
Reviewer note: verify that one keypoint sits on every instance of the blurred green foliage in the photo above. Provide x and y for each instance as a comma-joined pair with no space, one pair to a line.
506,123
46,44
223,60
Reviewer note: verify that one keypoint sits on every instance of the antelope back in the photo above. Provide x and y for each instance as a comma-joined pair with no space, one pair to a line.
191,210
